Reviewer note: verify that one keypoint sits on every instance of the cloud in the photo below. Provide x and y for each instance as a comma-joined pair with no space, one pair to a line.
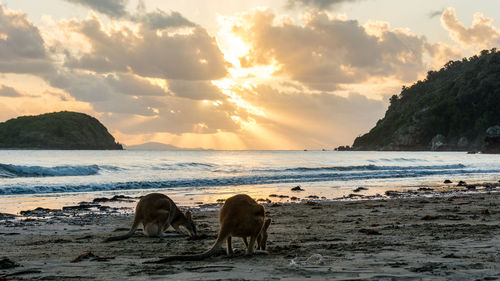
442,53
117,9
161,20
328,51
178,116
320,4
482,33
191,56
22,48
435,14
316,120
133,85
123,73
112,8
6,91
120,93
198,90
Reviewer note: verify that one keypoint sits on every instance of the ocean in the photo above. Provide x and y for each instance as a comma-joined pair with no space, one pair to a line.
53,178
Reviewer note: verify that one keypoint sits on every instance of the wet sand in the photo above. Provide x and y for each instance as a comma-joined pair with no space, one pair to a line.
453,237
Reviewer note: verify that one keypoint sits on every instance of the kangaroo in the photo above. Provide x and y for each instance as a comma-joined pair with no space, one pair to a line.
157,212
240,216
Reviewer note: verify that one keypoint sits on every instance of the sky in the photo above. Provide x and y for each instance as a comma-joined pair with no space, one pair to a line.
230,75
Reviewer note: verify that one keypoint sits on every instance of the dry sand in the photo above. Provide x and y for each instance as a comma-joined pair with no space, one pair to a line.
455,237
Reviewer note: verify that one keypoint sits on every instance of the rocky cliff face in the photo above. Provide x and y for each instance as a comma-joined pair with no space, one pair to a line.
492,140
452,109
60,130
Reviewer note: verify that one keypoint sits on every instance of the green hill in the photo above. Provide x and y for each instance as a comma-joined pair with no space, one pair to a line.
452,109
59,130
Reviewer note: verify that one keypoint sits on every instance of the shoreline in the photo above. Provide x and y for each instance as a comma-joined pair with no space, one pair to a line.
14,204
456,236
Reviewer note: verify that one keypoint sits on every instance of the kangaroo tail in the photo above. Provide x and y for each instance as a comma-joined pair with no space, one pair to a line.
125,236
210,252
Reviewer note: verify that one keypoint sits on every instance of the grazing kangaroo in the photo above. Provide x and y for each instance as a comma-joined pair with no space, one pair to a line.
157,212
240,216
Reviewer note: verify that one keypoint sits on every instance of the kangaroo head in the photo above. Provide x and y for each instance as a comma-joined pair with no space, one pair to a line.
186,221
262,238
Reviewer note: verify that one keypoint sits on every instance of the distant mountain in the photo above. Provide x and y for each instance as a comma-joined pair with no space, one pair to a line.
58,130
157,146
455,108
152,146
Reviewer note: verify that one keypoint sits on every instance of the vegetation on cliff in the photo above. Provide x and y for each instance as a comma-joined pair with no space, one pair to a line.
59,130
451,109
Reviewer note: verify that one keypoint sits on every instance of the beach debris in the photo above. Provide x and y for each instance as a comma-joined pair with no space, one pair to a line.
428,267
5,216
6,263
393,193
200,236
41,212
273,195
264,200
221,200
369,231
461,183
85,237
359,189
294,198
297,188
91,256
447,181
313,197
81,207
210,268
429,218
490,186
43,242
451,256
113,199
314,259
22,272
82,257
425,189
485,212
352,195
470,187
9,233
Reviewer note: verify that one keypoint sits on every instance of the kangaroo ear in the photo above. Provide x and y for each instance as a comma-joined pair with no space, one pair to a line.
266,224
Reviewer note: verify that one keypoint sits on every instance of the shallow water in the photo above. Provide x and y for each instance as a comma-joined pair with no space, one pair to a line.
51,178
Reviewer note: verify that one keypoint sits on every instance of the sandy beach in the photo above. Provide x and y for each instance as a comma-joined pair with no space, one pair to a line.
450,237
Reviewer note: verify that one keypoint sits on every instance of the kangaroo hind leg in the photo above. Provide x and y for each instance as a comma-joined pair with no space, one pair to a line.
251,245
